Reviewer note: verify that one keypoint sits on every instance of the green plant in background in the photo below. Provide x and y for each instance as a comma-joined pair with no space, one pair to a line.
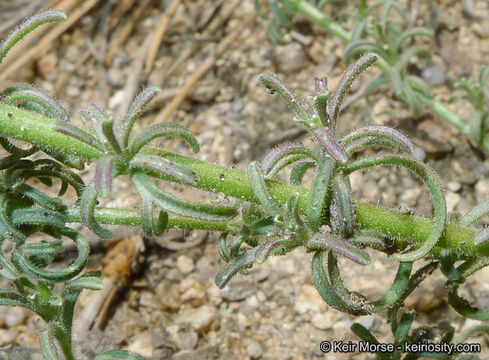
477,93
377,30
270,217
278,17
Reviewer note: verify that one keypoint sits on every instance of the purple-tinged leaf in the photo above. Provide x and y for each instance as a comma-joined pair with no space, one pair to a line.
163,130
328,142
359,66
321,85
325,241
103,175
367,135
167,202
27,26
281,156
262,252
137,107
243,261
25,94
79,134
164,167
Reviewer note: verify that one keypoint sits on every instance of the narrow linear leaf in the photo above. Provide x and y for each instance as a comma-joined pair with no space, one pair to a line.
463,307
281,156
135,111
167,202
103,176
119,355
402,330
88,201
7,230
344,85
79,134
377,132
324,287
26,94
291,210
432,182
260,190
51,248
107,127
319,194
12,298
327,141
38,196
47,347
275,85
242,261
37,216
152,227
411,33
222,247
408,54
25,265
27,26
475,126
481,237
278,14
158,166
325,241
448,269
360,47
342,198
477,212
353,299
164,130
418,85
297,173
84,282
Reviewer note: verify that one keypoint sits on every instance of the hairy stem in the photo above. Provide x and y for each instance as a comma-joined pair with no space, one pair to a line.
39,130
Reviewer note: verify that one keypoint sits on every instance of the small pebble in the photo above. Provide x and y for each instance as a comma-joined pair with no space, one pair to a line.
141,344
434,75
185,264
254,349
7,337
452,200
481,190
15,316
290,58
454,186
200,319
183,337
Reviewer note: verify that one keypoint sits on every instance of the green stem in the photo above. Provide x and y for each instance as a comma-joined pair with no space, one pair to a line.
309,11
40,131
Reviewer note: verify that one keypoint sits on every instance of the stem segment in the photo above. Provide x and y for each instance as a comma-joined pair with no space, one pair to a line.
39,130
